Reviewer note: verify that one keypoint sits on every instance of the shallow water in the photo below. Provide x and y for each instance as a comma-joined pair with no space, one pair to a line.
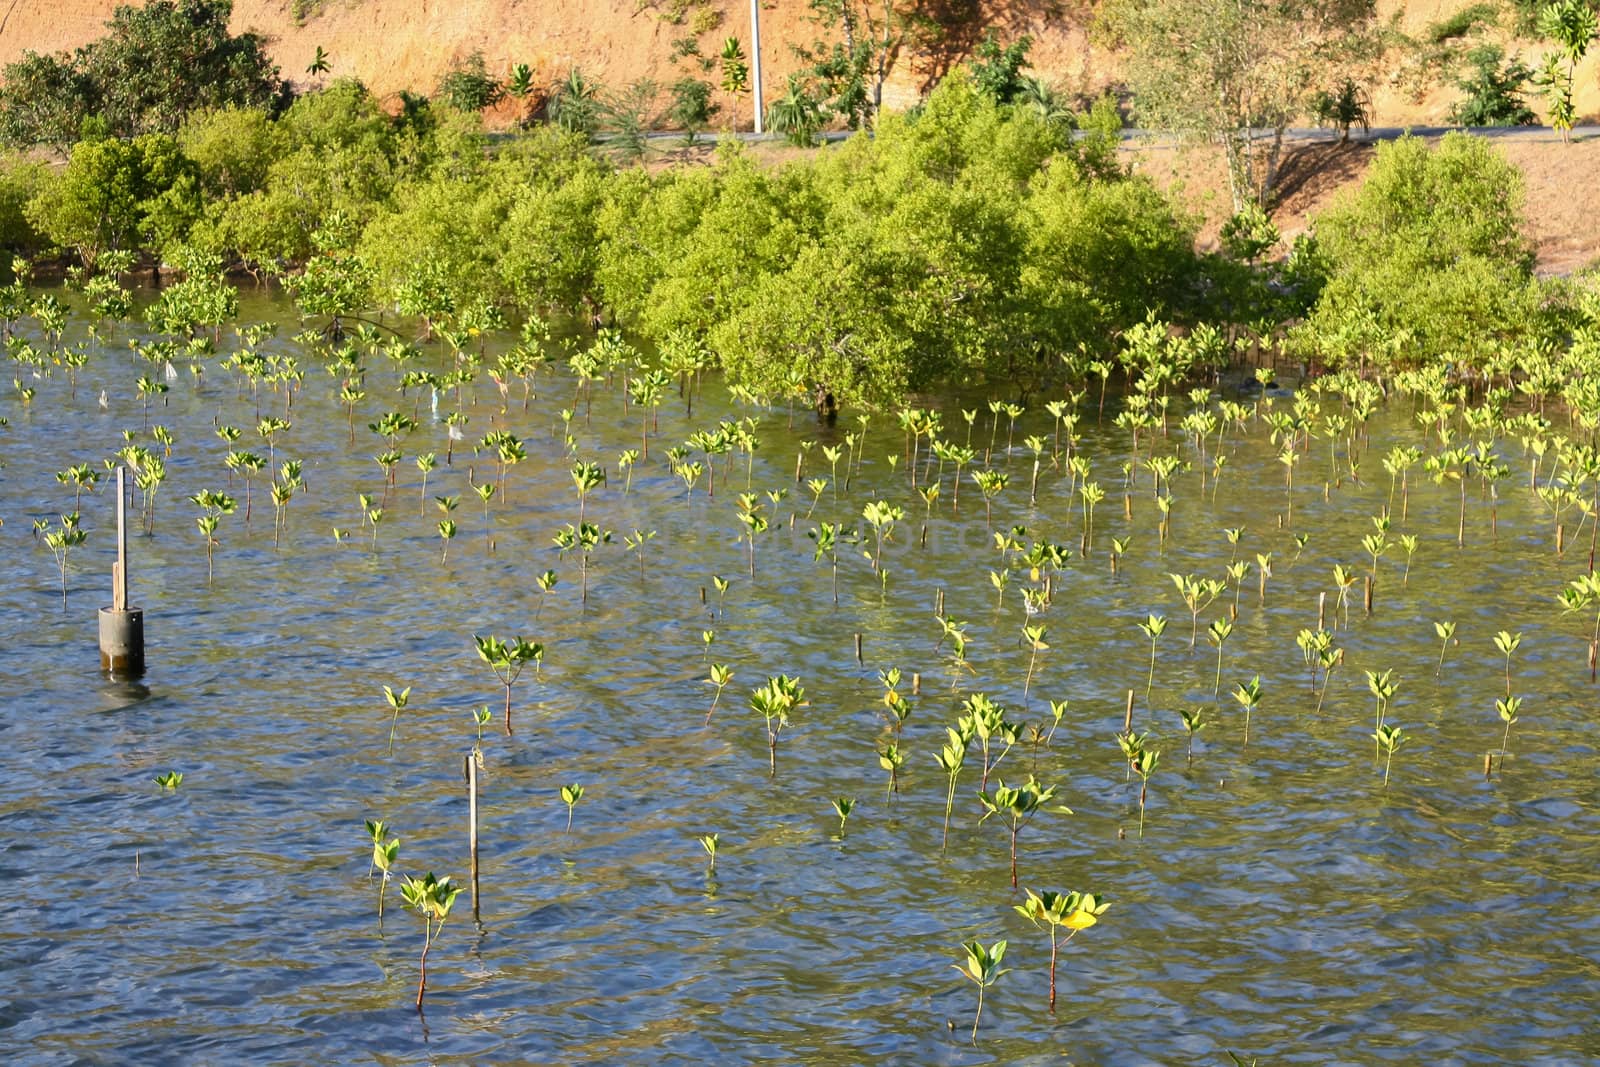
1282,903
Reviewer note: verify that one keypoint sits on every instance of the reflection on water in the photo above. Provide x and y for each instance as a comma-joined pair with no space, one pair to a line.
1282,903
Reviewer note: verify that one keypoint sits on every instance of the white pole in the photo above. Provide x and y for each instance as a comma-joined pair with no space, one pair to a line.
755,59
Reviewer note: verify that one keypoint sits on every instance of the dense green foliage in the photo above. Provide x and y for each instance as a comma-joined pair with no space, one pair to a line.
1426,261
156,65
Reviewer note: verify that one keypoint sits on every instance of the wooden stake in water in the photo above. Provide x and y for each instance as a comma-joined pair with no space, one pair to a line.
471,768
858,650
1322,611
1368,580
119,570
1127,715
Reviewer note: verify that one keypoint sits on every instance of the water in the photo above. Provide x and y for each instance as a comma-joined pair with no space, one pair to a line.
1282,903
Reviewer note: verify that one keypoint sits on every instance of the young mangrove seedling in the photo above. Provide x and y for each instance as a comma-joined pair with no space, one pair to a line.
774,701
62,541
1075,911
1507,710
169,780
214,505
711,842
507,659
1197,594
1383,687
432,898
1193,723
952,757
983,967
1507,643
721,675
481,717
1153,626
891,759
1144,765
1018,804
1389,737
720,584
1218,633
1248,694
1446,631
1033,636
384,854
570,795
397,701
843,806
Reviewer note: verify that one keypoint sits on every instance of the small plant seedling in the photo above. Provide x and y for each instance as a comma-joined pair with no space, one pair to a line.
711,842
1248,694
384,854
1446,631
891,759
843,806
507,659
1507,709
431,898
1507,643
397,700
1193,723
1389,737
1383,688
721,675
1144,765
570,795
952,757
1018,804
1075,911
774,701
1153,626
1218,633
983,967
169,780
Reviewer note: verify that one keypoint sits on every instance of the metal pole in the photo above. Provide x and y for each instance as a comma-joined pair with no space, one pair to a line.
755,61
119,576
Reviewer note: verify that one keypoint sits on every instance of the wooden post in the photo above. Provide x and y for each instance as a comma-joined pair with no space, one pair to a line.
1127,716
471,768
858,651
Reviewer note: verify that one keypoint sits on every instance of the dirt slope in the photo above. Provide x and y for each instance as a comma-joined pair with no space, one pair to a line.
407,44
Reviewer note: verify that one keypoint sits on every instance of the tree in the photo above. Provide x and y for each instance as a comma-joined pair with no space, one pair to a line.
45,101
1426,261
1493,90
852,69
117,194
159,62
997,70
468,85
1239,72
1571,25
691,106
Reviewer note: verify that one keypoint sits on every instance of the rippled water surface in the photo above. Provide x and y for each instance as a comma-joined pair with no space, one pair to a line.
1282,903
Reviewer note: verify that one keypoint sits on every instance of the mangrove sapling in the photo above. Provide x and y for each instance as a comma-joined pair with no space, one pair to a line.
1197,594
843,806
989,722
999,579
481,717
1119,548
507,659
826,537
1383,687
1408,542
585,538
1153,626
1018,804
432,898
1507,709
426,464
169,780
1218,633
384,854
485,491
1075,911
1092,494
82,476
754,523
990,483
1248,694
951,758
710,843
447,533
721,675
570,795
397,700
1343,579
1446,631
1389,737
774,701
635,542
891,759
1033,636
983,967
1263,572
70,535
1507,643
1193,723
706,639
720,584
214,505
1144,765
